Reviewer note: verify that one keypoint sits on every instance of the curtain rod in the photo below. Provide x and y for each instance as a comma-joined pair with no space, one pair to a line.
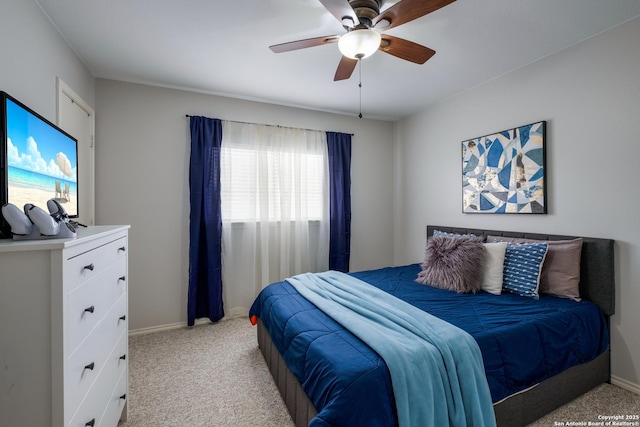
275,126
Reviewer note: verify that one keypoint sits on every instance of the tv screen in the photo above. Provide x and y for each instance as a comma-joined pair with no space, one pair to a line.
40,160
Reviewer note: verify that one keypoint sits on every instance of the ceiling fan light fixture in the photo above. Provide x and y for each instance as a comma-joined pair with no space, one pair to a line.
359,44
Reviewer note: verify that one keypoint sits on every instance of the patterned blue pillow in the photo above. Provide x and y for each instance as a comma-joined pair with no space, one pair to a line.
522,267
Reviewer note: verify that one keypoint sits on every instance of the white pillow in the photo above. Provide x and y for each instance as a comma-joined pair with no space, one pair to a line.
493,267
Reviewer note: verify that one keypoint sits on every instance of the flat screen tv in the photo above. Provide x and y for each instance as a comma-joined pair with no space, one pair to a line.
38,161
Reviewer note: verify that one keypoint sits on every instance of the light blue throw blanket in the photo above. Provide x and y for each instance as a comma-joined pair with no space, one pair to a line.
436,368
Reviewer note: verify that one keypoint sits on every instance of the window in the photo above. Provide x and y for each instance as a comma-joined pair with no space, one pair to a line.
273,174
274,191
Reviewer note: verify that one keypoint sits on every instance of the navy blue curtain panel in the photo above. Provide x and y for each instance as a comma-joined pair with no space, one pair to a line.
205,221
339,147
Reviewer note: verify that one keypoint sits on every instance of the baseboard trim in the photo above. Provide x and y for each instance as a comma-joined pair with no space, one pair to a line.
183,325
627,385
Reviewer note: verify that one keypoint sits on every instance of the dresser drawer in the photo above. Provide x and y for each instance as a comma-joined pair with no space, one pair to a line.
116,404
89,264
88,304
98,354
98,398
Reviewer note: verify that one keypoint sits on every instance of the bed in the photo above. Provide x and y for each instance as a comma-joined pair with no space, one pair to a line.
306,350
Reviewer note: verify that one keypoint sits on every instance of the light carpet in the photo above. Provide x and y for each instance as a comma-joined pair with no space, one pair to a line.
213,375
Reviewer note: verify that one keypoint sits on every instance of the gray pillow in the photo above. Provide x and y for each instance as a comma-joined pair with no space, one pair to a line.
453,263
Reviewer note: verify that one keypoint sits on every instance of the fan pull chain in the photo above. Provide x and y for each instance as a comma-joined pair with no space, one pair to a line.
360,85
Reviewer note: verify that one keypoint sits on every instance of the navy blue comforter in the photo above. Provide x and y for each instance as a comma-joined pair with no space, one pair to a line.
523,342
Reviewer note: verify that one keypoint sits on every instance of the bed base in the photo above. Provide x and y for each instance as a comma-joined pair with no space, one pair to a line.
298,403
518,410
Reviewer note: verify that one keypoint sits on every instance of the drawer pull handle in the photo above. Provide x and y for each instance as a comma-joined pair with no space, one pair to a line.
91,423
90,309
122,248
123,357
124,396
123,318
90,366
89,267
122,279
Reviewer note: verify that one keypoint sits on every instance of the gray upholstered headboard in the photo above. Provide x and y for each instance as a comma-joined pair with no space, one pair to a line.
597,271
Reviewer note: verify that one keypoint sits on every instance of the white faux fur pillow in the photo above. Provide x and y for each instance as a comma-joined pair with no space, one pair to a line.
493,267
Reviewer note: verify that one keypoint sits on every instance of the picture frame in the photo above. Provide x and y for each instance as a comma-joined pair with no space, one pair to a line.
504,172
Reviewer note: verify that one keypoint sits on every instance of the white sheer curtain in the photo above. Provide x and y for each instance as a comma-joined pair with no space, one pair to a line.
275,207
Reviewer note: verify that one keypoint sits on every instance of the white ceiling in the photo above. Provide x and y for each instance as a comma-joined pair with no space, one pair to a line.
222,47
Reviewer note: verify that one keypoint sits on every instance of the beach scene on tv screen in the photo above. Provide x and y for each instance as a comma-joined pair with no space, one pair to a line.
41,161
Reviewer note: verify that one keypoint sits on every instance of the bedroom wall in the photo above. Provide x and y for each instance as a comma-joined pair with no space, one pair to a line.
33,54
142,159
589,94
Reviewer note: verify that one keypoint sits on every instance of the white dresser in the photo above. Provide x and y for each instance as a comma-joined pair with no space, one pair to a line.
64,330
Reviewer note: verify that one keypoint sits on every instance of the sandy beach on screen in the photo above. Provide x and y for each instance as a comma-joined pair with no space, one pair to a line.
20,196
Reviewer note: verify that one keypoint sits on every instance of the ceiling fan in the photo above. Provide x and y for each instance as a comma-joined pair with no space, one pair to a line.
364,24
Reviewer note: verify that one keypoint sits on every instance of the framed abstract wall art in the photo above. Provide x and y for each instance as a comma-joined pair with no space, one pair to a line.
505,172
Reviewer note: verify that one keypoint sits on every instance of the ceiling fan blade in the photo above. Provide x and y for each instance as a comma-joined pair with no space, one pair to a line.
408,10
341,9
301,44
405,49
345,68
